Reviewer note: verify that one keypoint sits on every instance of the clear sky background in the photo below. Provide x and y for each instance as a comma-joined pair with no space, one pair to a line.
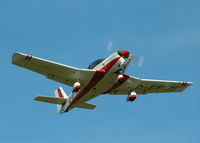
76,32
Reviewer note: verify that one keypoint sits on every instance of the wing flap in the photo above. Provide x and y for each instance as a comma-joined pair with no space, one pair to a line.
86,106
54,100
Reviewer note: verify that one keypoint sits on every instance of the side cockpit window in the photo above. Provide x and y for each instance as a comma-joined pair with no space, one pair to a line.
95,63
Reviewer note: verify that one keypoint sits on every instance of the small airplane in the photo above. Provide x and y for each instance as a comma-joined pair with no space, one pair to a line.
103,76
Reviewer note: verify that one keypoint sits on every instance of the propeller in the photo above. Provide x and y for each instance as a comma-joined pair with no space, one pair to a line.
111,47
139,60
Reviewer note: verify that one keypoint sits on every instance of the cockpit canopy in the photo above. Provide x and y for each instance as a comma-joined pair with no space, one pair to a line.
95,63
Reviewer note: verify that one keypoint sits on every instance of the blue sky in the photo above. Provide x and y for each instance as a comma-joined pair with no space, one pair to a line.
76,32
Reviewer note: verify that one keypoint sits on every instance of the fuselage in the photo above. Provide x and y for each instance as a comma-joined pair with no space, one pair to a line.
101,82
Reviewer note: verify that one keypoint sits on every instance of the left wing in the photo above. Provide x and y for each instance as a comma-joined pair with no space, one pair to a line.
58,72
144,86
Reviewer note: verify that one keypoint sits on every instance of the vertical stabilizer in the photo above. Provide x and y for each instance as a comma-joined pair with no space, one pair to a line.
61,94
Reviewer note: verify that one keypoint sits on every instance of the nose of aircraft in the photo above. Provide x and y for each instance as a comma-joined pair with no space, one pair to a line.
124,54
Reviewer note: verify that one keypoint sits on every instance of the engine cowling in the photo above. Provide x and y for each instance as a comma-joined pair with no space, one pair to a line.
132,96
76,87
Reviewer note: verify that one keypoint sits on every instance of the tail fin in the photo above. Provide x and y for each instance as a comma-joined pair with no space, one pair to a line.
61,94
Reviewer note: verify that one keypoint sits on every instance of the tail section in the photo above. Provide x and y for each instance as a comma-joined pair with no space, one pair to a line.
54,100
61,99
59,93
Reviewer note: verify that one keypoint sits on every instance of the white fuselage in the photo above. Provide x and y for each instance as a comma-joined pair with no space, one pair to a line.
101,80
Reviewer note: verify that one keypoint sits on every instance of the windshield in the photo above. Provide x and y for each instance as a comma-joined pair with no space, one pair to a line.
95,63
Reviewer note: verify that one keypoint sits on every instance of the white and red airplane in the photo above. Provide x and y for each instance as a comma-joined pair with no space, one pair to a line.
104,76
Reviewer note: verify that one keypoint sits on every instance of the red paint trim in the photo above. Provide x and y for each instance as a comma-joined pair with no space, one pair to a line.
28,57
121,78
107,67
99,74
133,96
184,84
124,54
116,85
60,93
78,86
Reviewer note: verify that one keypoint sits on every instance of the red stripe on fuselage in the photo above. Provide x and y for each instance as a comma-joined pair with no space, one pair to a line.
110,65
99,74
116,85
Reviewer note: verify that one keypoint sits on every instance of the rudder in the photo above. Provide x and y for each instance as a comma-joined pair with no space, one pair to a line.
59,92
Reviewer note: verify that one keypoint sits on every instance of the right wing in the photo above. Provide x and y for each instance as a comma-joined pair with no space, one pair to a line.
58,72
144,86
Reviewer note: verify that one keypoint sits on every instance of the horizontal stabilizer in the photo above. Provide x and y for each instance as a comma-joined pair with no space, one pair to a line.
54,100
86,106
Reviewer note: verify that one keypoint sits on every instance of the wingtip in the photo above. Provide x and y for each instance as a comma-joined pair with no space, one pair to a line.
190,83
36,98
16,57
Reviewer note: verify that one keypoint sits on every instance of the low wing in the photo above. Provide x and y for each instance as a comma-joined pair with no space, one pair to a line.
144,86
58,72
86,106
